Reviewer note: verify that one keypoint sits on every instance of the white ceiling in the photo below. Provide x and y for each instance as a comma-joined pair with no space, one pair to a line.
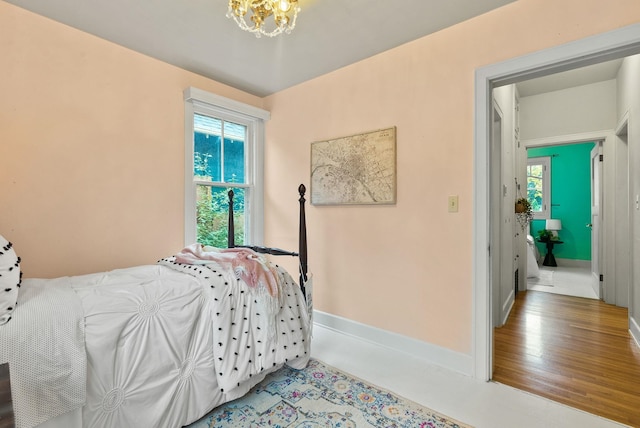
197,36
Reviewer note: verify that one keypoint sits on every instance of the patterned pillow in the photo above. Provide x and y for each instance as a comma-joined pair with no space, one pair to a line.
10,279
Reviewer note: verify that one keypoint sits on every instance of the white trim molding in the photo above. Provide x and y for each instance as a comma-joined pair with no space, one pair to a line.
203,102
198,95
508,306
545,162
432,354
634,329
584,264
556,140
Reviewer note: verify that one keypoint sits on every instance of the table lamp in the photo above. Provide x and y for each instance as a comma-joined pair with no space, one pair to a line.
554,225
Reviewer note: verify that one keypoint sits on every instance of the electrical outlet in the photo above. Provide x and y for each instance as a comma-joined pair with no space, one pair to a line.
453,204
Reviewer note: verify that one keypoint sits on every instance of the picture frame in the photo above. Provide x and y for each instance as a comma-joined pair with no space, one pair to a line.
355,170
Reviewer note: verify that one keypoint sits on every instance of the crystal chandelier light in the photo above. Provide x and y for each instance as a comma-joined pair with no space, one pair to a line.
284,13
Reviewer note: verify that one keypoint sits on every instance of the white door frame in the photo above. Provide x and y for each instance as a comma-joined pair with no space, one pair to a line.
607,46
496,208
599,138
596,219
623,215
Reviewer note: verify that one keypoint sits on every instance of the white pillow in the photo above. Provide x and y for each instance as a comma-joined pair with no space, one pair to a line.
9,280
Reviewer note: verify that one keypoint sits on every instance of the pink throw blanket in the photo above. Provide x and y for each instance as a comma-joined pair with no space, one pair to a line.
253,269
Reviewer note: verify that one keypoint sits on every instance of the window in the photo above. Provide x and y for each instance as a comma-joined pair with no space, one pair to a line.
224,142
539,186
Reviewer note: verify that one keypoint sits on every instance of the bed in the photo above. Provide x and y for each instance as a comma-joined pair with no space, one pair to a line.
153,346
533,271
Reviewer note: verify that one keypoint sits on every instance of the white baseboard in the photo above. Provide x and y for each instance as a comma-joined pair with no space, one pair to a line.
573,263
433,354
507,306
634,328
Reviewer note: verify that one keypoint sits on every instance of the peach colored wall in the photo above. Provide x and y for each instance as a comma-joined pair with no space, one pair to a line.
91,148
408,268
91,158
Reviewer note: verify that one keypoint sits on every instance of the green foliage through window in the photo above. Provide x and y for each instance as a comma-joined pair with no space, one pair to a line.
535,186
218,159
212,206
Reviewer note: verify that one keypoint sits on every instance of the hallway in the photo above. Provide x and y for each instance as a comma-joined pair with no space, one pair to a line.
572,350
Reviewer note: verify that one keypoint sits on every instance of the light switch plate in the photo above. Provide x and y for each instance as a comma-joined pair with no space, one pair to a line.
453,204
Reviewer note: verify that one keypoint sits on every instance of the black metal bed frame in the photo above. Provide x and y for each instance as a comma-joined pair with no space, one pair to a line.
302,238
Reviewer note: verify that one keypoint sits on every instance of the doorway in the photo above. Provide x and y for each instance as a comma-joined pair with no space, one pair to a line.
563,181
615,44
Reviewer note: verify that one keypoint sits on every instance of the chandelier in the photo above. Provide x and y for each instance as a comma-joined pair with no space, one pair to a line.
284,14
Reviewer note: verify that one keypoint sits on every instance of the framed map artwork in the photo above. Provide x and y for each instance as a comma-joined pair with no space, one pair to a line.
355,170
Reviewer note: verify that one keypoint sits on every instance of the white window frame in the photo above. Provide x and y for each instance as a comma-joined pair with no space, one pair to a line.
198,101
545,161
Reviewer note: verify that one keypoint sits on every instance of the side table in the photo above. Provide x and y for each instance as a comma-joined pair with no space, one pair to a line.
549,259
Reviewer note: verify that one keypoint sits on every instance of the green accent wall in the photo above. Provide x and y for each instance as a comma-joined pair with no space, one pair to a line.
570,198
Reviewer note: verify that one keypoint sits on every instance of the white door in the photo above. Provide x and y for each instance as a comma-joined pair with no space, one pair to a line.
595,225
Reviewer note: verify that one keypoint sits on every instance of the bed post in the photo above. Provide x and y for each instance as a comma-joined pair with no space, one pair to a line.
302,240
230,228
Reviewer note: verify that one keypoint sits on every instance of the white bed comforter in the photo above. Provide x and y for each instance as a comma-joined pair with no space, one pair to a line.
44,346
167,343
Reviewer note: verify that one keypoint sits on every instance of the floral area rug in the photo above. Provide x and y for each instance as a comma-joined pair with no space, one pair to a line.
320,396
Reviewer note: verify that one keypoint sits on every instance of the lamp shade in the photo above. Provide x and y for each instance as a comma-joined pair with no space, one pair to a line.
553,224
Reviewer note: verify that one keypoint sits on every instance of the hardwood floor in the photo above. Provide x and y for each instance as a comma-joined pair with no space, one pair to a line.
571,350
